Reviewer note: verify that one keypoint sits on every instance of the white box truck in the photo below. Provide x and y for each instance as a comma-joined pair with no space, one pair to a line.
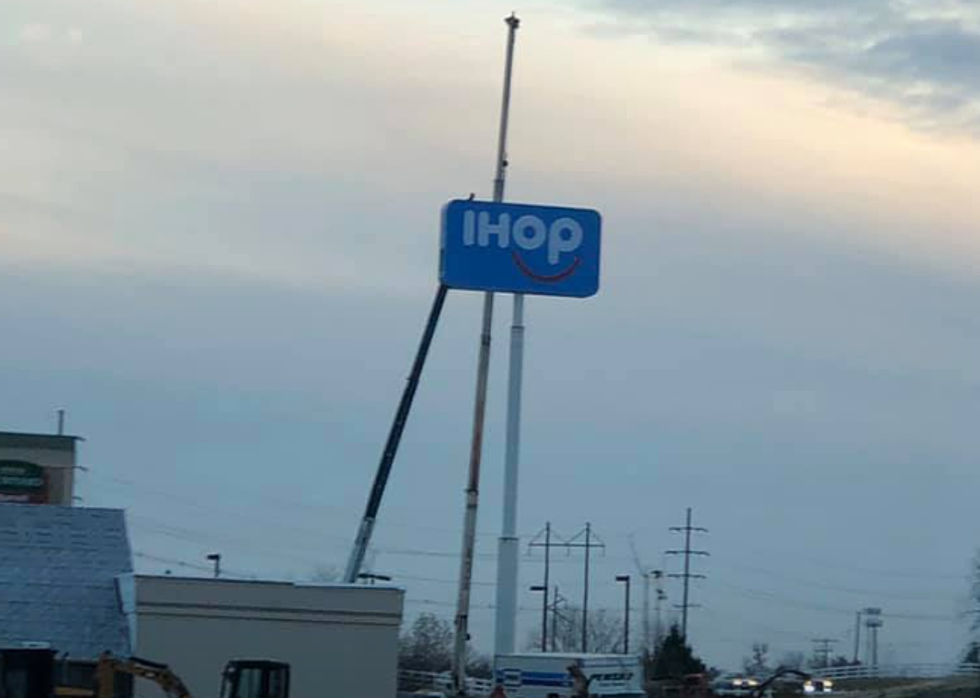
547,675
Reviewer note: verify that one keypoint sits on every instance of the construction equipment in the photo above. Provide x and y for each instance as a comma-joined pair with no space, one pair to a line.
30,673
255,678
109,666
242,678
26,672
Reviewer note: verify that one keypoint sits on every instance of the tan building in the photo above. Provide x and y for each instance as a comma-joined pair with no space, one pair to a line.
340,640
37,468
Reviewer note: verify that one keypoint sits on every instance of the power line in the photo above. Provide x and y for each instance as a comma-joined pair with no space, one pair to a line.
687,529
825,562
770,597
190,565
325,509
877,593
320,510
206,538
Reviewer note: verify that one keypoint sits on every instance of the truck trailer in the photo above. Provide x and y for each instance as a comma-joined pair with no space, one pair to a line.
551,675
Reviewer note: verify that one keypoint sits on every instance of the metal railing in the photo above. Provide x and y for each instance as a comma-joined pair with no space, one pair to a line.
409,680
898,671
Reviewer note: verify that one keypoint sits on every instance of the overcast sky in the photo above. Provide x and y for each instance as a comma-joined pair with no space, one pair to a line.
218,227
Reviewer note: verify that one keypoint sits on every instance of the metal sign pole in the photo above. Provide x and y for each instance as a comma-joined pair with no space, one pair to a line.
508,558
480,403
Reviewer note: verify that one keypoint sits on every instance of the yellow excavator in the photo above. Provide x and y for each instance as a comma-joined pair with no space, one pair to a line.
242,678
29,673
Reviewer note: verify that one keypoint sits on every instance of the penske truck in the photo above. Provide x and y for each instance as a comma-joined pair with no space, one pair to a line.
567,675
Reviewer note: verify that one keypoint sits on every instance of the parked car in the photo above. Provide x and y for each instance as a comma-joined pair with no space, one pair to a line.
734,685
814,686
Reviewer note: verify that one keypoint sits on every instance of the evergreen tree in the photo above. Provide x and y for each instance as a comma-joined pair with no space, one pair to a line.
674,658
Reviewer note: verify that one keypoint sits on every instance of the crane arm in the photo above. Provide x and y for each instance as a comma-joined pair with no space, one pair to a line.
160,674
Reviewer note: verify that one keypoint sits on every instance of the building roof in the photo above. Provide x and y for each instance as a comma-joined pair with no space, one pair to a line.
58,567
54,442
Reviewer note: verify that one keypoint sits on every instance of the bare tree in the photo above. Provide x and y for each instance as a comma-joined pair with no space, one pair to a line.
325,574
428,645
758,663
975,593
792,660
604,632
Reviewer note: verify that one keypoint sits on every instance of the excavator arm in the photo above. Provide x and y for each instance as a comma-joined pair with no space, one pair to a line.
160,674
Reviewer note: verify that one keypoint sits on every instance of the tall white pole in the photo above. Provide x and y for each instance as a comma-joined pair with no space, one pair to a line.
479,411
509,546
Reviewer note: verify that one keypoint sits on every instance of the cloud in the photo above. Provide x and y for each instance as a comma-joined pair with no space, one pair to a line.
34,33
46,45
920,57
198,138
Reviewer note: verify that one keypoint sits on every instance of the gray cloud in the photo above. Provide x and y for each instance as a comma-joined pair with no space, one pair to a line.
919,57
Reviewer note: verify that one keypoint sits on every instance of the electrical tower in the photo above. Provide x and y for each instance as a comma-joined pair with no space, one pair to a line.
588,540
687,529
557,604
650,642
822,648
547,543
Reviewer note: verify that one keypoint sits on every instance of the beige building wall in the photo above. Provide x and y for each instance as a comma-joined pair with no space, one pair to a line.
341,641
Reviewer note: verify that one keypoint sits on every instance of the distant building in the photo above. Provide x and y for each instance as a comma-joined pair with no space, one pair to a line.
37,468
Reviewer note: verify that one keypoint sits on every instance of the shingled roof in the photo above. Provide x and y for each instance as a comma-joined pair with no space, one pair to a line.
58,567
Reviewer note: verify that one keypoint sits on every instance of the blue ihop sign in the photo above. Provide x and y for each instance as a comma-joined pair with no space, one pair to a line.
518,248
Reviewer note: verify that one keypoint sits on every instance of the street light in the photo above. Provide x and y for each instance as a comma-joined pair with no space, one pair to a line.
371,578
625,578
544,615
216,559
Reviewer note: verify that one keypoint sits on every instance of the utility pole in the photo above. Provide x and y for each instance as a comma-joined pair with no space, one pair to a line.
480,403
661,596
547,544
646,611
687,529
216,559
588,544
857,637
822,647
625,579
544,615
